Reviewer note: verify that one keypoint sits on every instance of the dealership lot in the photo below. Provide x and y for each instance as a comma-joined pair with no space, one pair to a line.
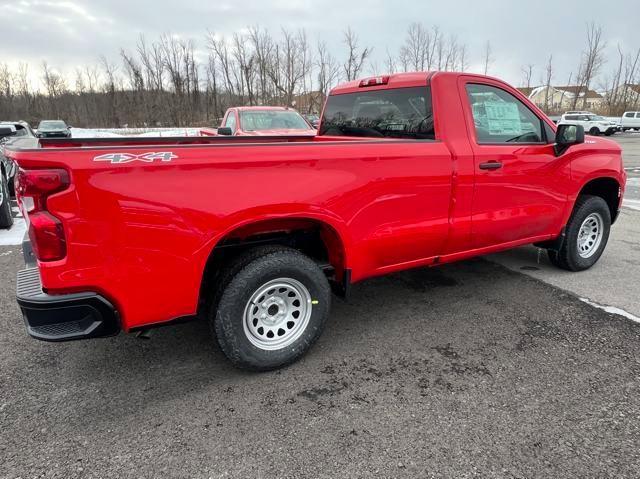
472,369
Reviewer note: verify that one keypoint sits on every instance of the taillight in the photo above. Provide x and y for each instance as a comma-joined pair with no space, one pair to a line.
47,236
46,232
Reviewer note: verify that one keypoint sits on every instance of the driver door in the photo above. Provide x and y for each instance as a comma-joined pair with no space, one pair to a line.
519,181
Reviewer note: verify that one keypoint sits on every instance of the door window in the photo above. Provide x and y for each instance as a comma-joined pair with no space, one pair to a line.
499,117
231,121
628,114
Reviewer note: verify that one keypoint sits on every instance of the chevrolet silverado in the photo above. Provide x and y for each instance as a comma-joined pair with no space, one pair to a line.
254,233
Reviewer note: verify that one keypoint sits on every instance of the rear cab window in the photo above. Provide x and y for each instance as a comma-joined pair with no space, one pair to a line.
392,113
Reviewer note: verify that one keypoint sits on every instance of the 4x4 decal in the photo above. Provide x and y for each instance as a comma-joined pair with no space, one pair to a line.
118,158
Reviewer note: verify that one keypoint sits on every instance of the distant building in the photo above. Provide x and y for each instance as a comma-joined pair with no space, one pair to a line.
630,95
558,99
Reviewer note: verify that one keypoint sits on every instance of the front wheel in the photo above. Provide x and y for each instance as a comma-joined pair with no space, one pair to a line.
6,219
586,235
271,310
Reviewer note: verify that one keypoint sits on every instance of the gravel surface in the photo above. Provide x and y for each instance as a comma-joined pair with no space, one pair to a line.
468,370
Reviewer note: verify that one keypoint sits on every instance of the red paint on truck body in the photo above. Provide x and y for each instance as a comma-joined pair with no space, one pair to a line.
141,232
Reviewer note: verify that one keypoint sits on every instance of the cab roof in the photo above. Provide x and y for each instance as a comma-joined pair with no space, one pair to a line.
398,80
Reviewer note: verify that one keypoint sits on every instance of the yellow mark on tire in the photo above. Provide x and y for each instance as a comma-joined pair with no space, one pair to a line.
314,301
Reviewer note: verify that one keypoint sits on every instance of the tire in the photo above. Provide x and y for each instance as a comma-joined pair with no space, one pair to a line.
253,313
594,131
6,218
582,246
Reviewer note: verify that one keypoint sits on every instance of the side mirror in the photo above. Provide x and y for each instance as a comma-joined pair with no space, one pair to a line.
566,136
225,130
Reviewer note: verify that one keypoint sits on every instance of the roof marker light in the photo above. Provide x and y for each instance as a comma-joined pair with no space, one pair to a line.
374,81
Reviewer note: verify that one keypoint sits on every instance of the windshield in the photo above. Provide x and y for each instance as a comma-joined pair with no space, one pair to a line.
397,113
596,118
52,125
257,120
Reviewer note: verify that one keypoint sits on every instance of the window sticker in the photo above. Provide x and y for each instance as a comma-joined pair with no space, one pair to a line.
498,117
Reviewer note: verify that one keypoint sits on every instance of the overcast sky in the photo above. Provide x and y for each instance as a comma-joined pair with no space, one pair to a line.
71,33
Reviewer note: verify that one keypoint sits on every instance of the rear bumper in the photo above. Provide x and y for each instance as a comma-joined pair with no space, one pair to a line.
63,317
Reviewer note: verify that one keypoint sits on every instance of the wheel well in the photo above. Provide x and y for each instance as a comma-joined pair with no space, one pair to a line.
606,188
314,238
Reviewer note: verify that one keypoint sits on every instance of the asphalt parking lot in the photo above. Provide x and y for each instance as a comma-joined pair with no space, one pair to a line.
495,367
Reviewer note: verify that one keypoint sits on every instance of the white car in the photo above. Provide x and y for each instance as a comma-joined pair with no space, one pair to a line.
629,120
592,124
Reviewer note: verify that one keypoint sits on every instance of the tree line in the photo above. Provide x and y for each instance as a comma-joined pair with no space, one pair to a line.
168,82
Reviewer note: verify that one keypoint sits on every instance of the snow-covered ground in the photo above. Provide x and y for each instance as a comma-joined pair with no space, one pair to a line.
128,132
15,234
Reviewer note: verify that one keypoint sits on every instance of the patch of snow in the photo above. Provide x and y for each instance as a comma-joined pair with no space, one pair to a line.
129,132
91,133
612,310
15,235
632,204
173,132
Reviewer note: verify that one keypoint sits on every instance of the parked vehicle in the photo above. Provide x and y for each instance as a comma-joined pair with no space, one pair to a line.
264,121
407,170
53,129
592,124
579,112
630,120
312,119
10,131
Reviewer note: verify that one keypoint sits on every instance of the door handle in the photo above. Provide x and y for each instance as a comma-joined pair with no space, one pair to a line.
490,165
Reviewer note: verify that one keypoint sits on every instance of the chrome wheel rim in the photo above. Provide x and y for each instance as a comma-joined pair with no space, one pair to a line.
277,314
590,235
2,190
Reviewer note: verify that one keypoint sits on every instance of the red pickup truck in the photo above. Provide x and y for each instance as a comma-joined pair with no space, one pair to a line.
262,121
407,170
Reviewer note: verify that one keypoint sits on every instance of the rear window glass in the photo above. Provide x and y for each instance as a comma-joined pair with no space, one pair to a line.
397,113
257,120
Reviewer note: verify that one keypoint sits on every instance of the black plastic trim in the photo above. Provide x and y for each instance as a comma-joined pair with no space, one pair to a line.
63,317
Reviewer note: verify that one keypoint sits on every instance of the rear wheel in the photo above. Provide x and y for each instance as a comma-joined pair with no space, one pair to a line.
594,131
270,310
586,236
6,219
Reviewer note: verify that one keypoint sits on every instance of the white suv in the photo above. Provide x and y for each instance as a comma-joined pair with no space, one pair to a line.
592,124
629,120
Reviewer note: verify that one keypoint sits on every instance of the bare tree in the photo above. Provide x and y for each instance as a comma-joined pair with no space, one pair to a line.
390,62
527,73
328,69
547,83
355,55
590,64
487,58
414,53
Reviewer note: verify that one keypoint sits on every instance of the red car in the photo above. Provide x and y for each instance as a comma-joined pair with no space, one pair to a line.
264,121
407,170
